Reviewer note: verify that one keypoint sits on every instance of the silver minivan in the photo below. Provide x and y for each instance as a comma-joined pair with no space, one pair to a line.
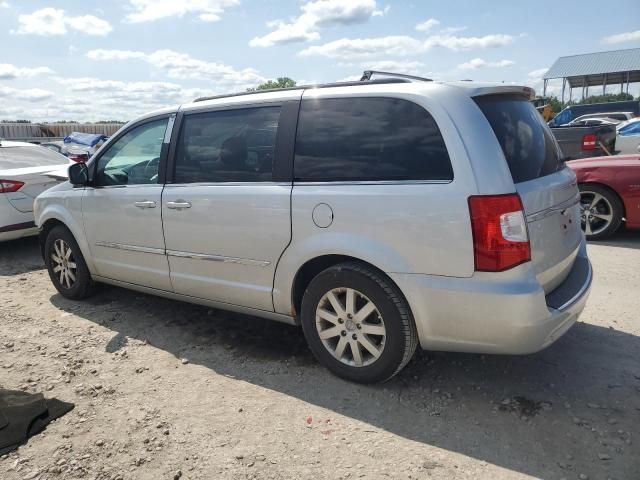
377,215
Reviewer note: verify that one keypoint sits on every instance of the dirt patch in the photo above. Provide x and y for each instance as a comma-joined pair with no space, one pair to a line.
167,390
523,406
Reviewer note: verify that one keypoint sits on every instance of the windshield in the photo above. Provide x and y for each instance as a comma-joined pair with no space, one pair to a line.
630,129
562,118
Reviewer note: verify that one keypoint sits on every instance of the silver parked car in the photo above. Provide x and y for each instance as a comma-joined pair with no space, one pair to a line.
616,116
24,174
377,215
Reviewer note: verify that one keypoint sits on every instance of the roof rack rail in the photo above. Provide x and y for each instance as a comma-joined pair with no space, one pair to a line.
367,74
353,83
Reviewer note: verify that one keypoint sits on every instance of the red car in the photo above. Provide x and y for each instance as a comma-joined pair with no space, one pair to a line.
609,193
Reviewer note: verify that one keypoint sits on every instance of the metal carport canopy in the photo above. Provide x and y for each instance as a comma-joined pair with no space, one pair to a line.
601,68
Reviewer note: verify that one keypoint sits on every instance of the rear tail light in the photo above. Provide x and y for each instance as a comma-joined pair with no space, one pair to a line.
79,157
589,142
9,186
500,238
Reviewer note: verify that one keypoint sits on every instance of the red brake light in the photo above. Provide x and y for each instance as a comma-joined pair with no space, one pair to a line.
79,157
500,238
589,142
9,186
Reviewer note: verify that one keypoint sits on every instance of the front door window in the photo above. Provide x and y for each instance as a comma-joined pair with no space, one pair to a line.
134,158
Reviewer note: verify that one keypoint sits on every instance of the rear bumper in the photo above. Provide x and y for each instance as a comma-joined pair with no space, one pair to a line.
505,313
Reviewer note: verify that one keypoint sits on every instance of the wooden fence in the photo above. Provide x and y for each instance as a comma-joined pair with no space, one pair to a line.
44,132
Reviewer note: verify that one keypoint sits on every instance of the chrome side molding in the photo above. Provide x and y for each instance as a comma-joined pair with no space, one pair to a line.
551,210
132,248
195,256
219,258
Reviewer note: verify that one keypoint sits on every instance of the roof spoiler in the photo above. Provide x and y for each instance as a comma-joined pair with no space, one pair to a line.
527,92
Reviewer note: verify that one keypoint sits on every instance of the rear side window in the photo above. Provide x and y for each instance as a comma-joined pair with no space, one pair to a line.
227,146
368,139
528,144
23,157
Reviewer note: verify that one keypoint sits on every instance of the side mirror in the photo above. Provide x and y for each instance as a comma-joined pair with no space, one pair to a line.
79,174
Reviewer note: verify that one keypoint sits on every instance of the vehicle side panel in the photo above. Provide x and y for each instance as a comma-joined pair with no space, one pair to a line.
225,247
408,227
126,241
13,223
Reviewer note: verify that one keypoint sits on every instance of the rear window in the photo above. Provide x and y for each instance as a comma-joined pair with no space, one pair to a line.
23,157
368,139
528,144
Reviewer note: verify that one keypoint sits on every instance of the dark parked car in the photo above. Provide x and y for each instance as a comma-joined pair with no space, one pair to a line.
578,141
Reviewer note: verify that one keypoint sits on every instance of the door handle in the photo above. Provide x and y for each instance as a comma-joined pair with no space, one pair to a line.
145,204
178,205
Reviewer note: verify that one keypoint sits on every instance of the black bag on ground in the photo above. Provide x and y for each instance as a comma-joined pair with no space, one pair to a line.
23,415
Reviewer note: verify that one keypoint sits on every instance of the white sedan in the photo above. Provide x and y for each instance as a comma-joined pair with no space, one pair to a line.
24,169
628,137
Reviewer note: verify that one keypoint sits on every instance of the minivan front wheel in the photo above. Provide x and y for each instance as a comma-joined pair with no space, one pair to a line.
66,266
357,323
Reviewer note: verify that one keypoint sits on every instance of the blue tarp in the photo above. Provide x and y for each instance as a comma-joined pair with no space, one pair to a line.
89,139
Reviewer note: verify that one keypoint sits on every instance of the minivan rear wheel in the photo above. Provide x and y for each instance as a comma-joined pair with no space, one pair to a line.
357,323
66,266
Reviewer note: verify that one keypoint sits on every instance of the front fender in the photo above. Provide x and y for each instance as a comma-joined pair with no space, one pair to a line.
67,211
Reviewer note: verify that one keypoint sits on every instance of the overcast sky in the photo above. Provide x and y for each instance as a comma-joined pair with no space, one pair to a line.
86,60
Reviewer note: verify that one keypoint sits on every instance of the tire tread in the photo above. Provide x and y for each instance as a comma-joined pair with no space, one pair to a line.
395,296
87,287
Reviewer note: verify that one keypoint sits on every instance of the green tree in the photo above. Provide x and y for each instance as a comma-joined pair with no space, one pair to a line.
556,105
607,97
280,82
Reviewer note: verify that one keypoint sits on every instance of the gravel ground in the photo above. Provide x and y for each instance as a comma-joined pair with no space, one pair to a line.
167,390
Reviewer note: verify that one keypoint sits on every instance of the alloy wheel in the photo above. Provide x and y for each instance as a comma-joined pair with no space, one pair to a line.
596,212
350,327
64,264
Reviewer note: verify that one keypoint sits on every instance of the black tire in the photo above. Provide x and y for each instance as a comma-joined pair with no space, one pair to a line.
614,204
83,285
401,337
